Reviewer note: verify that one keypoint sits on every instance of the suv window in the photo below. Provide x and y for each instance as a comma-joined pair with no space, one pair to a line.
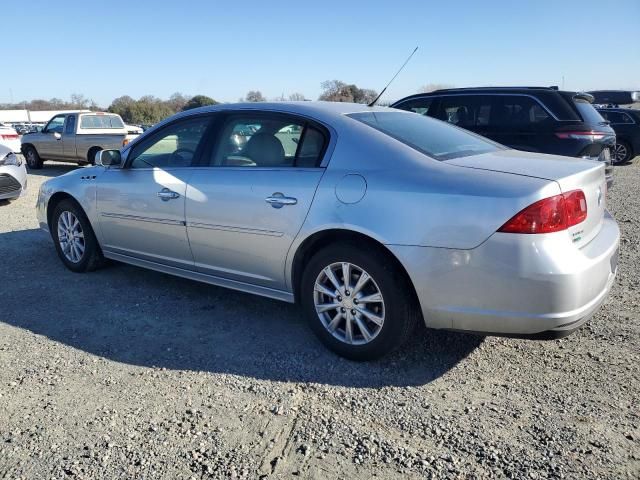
517,111
268,140
435,139
173,146
465,111
55,124
587,112
419,105
70,125
616,117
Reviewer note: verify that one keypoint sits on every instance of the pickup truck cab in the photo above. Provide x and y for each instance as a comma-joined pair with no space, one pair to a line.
75,137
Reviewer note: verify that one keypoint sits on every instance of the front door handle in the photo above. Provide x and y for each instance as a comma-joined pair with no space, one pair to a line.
165,194
278,200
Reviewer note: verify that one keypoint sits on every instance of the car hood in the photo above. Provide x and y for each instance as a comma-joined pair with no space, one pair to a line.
537,165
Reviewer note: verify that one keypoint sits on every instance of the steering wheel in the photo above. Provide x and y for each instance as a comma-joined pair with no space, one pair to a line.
177,159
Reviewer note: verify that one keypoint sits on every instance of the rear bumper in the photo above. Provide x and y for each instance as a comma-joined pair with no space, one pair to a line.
514,285
13,181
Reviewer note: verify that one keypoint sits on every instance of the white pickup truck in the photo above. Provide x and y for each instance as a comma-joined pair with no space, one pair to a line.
76,137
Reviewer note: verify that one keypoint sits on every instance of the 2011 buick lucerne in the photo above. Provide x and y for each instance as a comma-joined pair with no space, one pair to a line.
372,218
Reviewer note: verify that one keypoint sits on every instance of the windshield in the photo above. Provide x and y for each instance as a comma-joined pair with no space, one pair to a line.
434,138
101,121
587,112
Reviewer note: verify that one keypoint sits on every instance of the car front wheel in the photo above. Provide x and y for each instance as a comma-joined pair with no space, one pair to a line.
357,301
33,159
74,239
621,152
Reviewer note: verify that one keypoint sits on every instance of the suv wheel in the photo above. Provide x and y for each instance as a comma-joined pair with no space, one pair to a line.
357,302
621,152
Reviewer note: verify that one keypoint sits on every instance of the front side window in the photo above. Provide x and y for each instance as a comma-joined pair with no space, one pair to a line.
55,124
70,125
435,139
264,140
173,146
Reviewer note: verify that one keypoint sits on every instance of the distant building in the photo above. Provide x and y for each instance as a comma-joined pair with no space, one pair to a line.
29,116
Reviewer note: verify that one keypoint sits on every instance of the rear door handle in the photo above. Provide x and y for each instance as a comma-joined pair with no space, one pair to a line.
278,200
165,194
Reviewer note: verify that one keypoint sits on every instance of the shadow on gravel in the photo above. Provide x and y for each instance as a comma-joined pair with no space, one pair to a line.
144,318
53,170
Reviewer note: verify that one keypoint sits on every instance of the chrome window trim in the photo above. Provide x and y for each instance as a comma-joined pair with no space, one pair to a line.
536,99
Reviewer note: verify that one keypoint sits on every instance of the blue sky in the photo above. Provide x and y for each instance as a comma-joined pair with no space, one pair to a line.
223,49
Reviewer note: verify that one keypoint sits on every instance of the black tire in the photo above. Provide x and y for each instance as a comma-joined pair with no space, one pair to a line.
91,155
400,306
34,161
622,146
91,257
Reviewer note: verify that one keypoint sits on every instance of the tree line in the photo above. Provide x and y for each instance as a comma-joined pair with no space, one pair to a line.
149,109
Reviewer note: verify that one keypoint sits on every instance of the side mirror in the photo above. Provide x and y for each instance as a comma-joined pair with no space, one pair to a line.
107,158
57,136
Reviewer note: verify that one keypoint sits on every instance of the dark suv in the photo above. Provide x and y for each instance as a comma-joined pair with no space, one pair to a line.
626,123
534,119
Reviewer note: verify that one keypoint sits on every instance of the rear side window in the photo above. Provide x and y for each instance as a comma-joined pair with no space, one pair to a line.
435,139
587,112
616,118
517,111
466,111
268,141
101,121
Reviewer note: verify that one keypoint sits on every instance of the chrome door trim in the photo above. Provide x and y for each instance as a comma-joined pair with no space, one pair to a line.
229,228
203,277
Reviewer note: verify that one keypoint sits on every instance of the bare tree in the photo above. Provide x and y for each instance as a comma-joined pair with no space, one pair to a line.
297,97
432,87
338,91
255,96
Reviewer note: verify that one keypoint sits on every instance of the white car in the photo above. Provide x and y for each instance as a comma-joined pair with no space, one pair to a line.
13,173
9,138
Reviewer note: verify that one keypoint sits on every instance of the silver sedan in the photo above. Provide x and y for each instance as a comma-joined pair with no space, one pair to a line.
373,219
13,174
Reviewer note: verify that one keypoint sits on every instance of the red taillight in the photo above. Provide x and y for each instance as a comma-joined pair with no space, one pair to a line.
9,137
549,215
582,135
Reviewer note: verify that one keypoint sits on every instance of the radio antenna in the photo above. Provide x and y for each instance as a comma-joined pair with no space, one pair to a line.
394,77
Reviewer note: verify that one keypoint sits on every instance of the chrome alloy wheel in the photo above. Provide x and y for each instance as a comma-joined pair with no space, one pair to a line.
71,236
619,153
349,303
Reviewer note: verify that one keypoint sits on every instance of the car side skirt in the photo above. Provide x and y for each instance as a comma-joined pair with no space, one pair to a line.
202,277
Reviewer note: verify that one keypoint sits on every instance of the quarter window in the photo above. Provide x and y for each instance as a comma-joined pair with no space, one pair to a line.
419,105
174,146
268,141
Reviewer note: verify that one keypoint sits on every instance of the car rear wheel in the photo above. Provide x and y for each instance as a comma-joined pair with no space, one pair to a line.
357,301
33,159
622,152
74,238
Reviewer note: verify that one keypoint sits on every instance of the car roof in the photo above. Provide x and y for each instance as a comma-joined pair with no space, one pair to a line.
322,111
489,90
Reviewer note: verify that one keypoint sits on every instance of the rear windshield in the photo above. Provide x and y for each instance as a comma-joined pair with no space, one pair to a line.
587,112
432,137
101,121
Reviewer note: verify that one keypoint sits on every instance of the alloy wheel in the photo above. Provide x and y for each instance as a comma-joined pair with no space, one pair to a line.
619,153
31,158
71,237
349,303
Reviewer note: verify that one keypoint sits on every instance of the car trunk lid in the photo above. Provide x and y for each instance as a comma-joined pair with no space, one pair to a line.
569,173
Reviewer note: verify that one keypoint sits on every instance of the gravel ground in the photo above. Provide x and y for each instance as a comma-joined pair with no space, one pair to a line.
134,374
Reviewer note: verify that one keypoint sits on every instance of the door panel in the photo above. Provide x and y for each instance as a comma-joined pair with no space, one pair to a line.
234,232
136,221
50,147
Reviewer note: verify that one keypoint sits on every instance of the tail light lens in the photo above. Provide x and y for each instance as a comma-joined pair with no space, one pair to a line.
582,135
125,142
10,137
549,215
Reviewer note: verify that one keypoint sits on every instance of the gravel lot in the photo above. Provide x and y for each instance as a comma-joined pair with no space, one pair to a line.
134,374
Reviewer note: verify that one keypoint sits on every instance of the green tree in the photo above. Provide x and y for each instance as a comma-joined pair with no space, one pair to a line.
199,101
